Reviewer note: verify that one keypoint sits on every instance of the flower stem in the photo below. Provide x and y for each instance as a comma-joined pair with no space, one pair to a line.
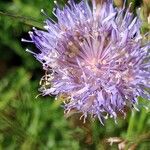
131,125
141,120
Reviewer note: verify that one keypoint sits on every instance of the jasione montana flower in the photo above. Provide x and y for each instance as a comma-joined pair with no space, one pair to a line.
95,56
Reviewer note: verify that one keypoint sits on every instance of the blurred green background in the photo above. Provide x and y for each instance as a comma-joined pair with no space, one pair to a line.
29,123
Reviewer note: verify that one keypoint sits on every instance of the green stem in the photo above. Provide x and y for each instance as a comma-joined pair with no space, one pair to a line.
131,126
141,121
25,20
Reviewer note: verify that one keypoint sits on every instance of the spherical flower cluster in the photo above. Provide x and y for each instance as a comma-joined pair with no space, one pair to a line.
95,56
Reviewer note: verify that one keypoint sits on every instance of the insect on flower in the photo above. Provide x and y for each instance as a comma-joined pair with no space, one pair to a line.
95,56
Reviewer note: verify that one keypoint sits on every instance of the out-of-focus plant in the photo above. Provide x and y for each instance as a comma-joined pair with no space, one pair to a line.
27,123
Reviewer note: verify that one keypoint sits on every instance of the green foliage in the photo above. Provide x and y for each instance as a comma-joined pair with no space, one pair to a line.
30,123
27,122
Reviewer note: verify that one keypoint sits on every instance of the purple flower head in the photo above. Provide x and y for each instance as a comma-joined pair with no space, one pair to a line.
95,56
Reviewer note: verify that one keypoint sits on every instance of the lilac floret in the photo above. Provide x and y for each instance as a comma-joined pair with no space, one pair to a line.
96,57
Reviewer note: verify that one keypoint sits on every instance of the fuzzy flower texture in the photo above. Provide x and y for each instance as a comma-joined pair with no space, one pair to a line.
94,55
